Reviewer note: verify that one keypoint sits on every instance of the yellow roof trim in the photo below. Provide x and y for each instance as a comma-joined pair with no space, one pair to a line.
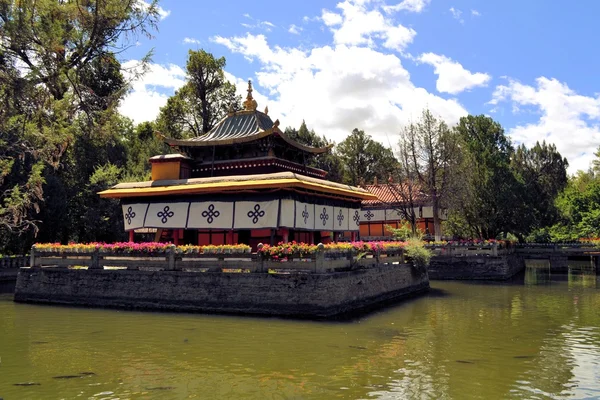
213,187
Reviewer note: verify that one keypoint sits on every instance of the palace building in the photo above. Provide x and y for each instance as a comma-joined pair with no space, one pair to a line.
389,208
244,181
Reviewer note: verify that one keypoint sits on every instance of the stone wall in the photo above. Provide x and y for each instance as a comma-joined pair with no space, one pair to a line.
300,295
9,267
475,267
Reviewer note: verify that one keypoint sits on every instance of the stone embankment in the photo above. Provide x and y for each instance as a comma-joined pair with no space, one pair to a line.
314,293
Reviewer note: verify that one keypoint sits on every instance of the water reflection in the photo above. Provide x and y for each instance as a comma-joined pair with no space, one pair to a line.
476,341
537,272
583,274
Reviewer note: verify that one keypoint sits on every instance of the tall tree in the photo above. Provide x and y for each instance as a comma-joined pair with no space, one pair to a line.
329,162
543,173
432,151
491,197
407,192
57,65
365,159
203,101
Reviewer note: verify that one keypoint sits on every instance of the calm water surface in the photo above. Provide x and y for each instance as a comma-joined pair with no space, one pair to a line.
536,338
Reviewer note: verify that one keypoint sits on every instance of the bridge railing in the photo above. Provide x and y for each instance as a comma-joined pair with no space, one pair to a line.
470,249
564,248
11,262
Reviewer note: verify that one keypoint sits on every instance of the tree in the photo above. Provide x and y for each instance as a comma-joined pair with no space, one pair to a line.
542,172
202,102
579,208
596,162
329,162
365,159
431,150
57,65
490,200
407,191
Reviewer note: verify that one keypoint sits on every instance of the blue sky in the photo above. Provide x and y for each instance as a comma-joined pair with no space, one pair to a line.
375,64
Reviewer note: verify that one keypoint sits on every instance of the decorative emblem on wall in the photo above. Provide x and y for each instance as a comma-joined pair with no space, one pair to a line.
130,215
369,215
305,214
340,218
256,214
165,214
210,214
324,216
356,218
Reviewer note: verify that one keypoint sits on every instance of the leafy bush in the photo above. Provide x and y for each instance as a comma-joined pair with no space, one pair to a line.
541,235
404,232
416,251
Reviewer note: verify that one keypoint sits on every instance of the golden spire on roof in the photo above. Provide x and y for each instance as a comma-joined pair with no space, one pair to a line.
250,104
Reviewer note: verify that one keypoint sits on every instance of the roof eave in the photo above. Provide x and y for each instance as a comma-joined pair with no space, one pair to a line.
222,187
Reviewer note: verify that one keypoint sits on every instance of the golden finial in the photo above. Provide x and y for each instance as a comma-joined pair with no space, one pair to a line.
250,104
267,110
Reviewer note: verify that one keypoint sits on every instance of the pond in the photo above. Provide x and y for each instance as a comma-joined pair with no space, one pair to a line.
536,337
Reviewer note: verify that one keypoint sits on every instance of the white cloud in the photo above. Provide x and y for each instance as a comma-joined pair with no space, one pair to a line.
191,40
338,88
569,120
416,6
453,78
267,26
475,13
358,25
151,91
330,18
295,29
456,14
162,13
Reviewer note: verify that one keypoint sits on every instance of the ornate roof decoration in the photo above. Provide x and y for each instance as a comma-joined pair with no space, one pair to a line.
250,104
241,127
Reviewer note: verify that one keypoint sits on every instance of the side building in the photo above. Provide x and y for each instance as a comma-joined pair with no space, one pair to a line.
393,207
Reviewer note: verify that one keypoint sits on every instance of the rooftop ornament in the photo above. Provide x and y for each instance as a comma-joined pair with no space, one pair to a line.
250,104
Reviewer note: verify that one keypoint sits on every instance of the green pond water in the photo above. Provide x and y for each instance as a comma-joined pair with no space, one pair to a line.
535,338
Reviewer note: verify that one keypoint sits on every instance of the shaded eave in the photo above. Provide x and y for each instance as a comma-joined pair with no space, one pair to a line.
250,138
283,181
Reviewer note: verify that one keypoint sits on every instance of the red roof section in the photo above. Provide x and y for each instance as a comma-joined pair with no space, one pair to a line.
391,193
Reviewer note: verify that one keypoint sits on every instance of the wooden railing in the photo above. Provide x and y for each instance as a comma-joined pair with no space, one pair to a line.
575,248
319,262
13,262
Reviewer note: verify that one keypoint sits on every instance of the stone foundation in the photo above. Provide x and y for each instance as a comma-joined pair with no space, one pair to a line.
475,267
298,295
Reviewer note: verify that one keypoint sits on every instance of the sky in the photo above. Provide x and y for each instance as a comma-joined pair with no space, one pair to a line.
376,64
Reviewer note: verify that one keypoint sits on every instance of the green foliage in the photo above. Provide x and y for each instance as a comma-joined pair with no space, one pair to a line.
329,162
203,101
489,201
542,175
418,254
364,159
141,143
405,232
579,208
57,114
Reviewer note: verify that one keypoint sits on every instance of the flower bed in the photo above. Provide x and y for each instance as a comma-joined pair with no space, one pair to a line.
149,248
294,249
